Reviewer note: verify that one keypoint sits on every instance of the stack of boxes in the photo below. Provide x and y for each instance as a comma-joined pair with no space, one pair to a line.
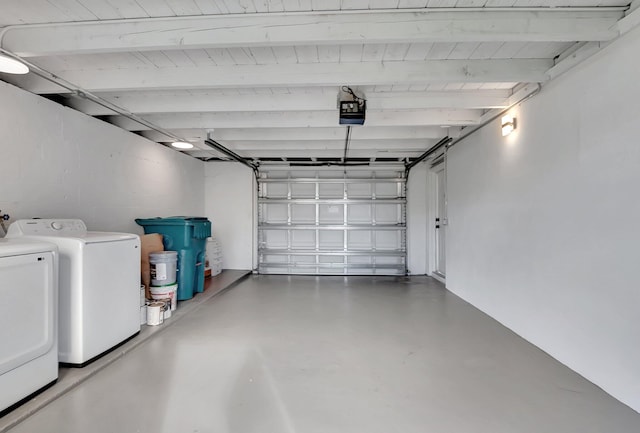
214,257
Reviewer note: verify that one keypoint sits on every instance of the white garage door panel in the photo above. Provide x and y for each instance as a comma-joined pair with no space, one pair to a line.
322,221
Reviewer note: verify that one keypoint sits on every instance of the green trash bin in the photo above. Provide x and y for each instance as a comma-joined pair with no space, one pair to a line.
188,236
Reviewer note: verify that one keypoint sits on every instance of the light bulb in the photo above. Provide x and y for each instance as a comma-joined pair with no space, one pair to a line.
182,145
508,125
12,66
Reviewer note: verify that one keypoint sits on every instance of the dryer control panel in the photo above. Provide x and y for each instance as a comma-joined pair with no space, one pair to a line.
48,227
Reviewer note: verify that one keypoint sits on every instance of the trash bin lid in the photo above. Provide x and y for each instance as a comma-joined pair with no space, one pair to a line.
173,220
201,225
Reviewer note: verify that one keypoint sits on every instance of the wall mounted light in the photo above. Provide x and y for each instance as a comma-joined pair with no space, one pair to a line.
12,66
508,124
182,145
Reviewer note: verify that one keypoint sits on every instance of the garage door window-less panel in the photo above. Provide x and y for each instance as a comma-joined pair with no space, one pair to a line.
332,222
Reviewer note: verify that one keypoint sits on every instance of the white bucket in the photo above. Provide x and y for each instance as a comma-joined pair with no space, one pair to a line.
155,315
143,295
163,266
143,315
165,292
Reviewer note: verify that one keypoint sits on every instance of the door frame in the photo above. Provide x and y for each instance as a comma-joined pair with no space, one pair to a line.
432,214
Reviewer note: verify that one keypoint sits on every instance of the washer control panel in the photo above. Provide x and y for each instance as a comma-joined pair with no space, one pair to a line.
48,227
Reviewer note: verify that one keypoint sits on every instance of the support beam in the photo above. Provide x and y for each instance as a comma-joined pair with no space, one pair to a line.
311,146
433,117
302,74
298,153
269,135
259,30
525,92
200,102
574,58
631,19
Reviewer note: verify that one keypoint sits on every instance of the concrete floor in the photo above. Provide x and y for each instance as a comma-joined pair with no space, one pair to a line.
304,354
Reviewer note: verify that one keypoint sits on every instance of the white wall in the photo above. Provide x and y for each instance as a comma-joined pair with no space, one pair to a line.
544,225
417,220
58,163
230,205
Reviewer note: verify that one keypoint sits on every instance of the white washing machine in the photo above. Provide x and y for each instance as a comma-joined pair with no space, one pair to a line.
99,284
28,318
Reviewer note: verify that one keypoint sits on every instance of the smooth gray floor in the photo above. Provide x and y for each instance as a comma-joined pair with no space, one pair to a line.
321,355
69,378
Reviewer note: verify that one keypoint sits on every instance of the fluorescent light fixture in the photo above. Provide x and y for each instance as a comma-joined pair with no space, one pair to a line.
508,124
182,145
12,66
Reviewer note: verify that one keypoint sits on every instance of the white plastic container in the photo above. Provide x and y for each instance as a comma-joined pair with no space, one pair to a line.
155,315
163,267
166,292
143,298
214,256
143,315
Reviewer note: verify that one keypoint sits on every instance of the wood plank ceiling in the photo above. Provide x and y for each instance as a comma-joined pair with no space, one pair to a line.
263,77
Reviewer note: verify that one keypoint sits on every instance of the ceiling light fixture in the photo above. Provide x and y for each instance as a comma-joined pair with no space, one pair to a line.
12,66
182,145
508,125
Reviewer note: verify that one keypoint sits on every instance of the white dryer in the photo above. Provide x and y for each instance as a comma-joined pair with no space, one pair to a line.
99,283
28,318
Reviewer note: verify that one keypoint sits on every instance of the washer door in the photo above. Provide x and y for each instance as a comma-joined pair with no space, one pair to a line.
27,308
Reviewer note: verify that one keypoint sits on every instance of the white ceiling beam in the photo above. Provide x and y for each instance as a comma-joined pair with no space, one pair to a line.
573,58
520,95
185,103
312,146
327,133
249,146
297,153
631,19
432,117
256,30
303,74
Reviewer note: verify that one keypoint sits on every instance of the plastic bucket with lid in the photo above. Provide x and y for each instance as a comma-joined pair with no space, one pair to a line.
165,292
163,268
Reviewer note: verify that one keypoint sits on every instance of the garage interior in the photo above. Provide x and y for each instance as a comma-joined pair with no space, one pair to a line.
415,265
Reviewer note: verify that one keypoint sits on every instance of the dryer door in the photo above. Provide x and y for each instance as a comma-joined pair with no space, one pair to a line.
27,308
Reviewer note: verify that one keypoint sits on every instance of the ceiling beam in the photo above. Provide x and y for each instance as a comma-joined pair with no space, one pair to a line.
259,30
574,57
631,19
146,103
268,135
302,153
432,117
302,74
249,146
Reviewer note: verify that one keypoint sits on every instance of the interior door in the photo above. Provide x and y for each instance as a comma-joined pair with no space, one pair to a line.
441,222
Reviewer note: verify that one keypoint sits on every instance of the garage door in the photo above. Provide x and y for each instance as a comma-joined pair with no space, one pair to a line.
326,221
